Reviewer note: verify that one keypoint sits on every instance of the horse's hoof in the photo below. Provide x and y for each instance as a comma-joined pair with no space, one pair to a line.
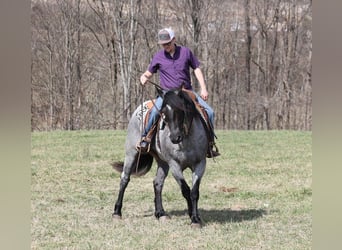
196,225
116,217
164,218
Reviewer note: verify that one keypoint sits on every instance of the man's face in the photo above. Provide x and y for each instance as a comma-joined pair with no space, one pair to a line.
169,47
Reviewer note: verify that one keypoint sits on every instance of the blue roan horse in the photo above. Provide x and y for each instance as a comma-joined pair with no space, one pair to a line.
181,143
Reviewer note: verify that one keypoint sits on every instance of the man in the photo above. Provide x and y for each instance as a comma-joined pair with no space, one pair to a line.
174,63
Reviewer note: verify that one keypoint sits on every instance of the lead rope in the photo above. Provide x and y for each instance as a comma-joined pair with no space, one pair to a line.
142,127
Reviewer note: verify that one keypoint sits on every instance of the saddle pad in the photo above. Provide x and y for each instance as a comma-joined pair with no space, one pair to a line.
144,111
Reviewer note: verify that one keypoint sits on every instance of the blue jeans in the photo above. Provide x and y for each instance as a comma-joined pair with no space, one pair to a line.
154,115
207,108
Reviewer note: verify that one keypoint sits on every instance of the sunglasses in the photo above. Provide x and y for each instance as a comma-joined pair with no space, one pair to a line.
167,44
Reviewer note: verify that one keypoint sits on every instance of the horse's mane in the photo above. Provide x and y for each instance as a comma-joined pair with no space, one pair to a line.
180,100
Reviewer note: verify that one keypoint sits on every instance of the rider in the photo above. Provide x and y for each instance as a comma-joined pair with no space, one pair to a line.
173,63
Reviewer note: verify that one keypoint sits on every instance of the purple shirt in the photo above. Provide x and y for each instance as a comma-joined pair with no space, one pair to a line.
174,70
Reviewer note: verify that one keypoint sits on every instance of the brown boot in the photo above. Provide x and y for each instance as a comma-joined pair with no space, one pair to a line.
211,151
144,145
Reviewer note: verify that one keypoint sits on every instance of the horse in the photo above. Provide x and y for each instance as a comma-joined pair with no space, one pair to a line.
181,142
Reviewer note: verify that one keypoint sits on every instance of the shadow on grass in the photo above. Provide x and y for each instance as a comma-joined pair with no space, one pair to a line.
224,215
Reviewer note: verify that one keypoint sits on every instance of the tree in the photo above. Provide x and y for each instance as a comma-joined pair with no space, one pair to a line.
87,57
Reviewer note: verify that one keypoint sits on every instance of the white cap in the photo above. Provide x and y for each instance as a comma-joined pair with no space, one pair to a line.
165,35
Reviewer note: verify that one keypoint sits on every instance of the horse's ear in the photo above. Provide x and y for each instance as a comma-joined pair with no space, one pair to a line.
178,91
182,86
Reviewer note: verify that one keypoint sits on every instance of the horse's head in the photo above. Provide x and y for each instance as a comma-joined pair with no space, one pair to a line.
178,111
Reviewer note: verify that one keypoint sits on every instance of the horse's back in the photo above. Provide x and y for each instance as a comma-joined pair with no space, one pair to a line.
134,129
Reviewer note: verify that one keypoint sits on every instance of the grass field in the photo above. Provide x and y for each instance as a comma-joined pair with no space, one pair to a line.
257,195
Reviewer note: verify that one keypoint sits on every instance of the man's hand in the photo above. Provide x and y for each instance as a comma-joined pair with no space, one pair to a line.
143,79
200,78
204,94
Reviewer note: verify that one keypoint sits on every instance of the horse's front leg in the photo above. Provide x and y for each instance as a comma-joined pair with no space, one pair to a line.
158,183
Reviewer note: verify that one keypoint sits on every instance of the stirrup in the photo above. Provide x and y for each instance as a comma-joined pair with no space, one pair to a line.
143,149
212,153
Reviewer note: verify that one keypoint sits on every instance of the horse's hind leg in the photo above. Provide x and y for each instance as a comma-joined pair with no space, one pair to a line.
186,194
194,194
191,196
125,178
158,183
118,204
185,189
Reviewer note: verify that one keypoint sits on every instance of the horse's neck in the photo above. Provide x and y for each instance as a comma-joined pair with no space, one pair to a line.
197,129
198,126
191,149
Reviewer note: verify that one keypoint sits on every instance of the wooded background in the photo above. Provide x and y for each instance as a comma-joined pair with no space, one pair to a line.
88,55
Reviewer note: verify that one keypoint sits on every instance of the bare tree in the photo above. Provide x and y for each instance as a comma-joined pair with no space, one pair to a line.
87,57
126,28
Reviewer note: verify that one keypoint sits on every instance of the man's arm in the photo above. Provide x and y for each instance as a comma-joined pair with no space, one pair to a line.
199,75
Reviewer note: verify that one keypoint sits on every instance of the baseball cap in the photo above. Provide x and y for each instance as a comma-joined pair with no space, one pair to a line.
165,35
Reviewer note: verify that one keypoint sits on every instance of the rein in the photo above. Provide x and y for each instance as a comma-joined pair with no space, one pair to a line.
142,114
160,89
142,126
155,85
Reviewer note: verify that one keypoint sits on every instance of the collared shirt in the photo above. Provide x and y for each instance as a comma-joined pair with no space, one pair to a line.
174,70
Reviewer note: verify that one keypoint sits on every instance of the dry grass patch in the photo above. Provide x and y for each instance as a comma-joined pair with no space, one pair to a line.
257,195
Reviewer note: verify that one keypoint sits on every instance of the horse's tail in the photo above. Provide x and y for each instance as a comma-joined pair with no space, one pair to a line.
118,166
143,165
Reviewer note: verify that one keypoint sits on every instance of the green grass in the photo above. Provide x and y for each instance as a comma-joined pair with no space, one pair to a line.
257,195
